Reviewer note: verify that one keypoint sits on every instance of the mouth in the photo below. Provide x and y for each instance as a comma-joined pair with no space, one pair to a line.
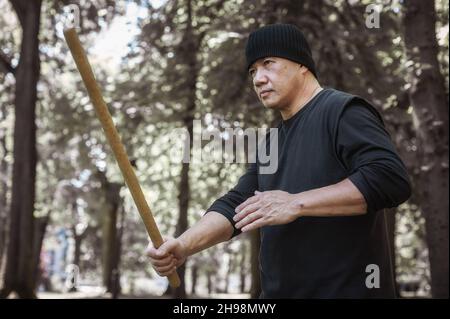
265,93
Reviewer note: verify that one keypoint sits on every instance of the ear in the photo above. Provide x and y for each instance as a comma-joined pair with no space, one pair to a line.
303,69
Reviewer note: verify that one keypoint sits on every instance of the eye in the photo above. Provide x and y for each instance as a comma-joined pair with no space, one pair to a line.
251,72
268,62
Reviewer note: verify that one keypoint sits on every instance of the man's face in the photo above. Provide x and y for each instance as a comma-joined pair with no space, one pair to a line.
277,81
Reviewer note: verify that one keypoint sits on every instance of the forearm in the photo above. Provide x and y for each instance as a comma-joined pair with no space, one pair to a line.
211,229
341,199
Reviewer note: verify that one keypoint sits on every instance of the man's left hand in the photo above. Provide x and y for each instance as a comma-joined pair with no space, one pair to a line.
267,208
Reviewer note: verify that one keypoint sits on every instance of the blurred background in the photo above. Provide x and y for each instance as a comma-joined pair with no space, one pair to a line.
68,225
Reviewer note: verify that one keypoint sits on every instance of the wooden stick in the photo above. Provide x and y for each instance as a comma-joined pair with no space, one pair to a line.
114,140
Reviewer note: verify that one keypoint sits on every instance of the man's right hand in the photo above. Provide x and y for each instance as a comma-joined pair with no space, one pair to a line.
170,255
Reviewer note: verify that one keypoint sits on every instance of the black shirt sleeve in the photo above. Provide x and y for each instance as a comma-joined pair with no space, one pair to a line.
244,189
366,150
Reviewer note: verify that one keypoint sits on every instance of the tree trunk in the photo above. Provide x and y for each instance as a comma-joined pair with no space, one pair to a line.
19,268
40,227
116,288
111,235
182,225
77,248
189,50
255,289
242,268
430,112
194,276
210,286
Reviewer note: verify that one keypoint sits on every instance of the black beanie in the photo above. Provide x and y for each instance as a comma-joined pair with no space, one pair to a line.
279,40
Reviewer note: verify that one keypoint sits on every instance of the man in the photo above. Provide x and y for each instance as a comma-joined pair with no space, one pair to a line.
323,233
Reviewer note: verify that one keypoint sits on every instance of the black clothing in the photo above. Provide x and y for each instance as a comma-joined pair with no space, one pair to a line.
333,137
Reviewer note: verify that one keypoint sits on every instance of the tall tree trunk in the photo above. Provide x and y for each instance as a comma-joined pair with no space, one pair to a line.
182,225
430,112
115,278
255,289
194,278
111,235
242,268
40,227
19,270
77,247
115,282
210,285
189,50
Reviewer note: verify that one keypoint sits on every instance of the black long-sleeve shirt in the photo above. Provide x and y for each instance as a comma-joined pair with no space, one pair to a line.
333,137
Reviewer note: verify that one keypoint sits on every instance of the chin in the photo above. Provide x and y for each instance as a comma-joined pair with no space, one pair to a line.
273,106
270,104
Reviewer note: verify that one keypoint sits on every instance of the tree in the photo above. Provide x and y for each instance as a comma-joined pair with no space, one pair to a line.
111,233
19,269
429,100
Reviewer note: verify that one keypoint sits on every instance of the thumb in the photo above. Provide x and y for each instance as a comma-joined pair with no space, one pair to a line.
167,247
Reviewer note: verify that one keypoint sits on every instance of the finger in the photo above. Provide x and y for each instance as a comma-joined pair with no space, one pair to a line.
249,201
249,219
168,272
167,248
161,262
151,251
255,225
247,210
165,269
157,253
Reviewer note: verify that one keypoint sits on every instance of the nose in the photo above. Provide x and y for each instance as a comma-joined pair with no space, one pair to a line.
260,78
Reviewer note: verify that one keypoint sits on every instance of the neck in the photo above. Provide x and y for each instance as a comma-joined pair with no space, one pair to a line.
310,88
